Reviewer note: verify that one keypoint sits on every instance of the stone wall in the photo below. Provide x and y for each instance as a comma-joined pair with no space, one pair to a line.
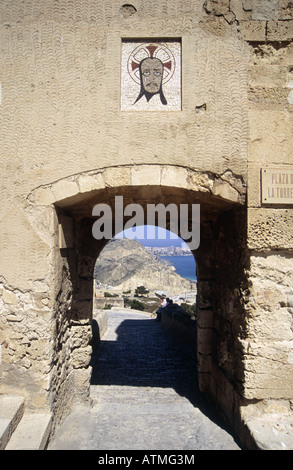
180,326
62,127
101,318
222,286
268,343
114,302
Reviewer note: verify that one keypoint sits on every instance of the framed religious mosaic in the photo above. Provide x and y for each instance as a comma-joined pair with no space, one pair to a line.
151,75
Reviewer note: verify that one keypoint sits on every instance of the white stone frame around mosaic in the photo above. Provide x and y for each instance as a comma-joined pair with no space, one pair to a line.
169,53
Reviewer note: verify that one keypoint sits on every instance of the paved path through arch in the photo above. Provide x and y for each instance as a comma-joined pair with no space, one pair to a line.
145,395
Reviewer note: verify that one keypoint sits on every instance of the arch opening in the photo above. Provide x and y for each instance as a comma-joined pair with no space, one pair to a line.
220,259
146,259
130,274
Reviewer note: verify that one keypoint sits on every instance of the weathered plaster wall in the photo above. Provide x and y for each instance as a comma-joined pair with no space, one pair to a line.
60,117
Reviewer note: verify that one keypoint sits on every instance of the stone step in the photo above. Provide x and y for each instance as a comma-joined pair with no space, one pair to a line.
11,412
32,433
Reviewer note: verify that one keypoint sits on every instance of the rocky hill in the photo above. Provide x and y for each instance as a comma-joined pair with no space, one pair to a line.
126,264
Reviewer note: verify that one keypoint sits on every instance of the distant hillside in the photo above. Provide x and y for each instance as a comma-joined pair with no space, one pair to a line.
126,264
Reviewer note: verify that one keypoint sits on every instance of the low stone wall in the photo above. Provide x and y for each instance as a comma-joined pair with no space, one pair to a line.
176,322
113,301
99,324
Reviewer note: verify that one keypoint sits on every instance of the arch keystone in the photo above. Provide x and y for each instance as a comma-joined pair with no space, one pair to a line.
64,189
174,176
89,183
116,176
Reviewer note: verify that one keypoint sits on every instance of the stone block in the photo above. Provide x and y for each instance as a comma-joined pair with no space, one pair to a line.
174,176
204,363
81,311
205,382
264,361
268,75
225,396
81,381
204,340
114,177
253,30
225,191
80,336
90,182
285,10
44,196
217,7
32,433
272,431
264,10
205,319
204,294
64,189
242,9
80,358
266,322
66,238
101,317
270,301
144,175
280,30
270,228
268,94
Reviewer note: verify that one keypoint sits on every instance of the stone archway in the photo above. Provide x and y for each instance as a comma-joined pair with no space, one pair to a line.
220,259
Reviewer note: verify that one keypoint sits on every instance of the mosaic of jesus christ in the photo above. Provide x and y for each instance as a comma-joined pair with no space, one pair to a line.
151,77
151,68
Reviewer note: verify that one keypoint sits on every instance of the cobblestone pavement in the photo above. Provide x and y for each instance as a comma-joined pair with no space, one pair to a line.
145,395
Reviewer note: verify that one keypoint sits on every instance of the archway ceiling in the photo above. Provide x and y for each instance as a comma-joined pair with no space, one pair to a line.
81,205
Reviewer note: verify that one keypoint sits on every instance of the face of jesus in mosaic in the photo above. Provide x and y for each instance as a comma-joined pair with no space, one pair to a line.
152,75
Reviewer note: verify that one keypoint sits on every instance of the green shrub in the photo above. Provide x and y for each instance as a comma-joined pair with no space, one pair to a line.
190,309
141,290
134,304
